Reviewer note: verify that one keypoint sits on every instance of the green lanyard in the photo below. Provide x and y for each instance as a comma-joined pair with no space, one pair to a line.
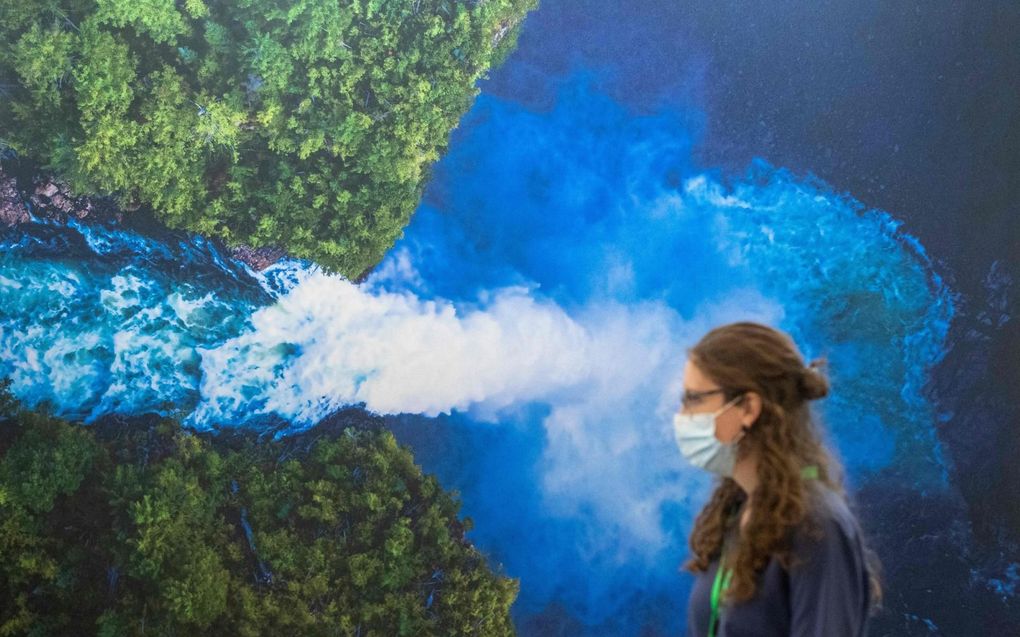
724,575
719,586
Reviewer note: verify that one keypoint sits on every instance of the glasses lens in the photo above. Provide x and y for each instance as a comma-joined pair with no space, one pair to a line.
693,398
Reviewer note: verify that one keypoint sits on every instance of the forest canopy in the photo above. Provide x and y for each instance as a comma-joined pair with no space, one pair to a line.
308,125
125,528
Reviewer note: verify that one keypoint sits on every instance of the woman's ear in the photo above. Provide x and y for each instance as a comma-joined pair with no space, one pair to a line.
750,409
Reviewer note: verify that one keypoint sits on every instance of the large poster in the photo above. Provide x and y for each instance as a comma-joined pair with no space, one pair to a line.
628,176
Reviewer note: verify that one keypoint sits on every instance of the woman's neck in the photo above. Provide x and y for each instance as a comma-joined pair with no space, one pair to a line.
745,473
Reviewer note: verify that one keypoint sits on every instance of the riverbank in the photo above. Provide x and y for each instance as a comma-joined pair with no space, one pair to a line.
27,195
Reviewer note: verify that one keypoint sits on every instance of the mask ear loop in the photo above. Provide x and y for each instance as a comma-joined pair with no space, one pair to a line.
744,429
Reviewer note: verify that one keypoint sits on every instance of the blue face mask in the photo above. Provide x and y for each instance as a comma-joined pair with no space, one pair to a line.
695,435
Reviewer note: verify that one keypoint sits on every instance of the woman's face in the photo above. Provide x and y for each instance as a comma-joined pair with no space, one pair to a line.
729,422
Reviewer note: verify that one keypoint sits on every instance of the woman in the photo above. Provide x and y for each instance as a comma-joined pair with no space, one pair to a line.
794,561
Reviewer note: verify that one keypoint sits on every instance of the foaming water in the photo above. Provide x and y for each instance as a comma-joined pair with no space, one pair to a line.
97,320
540,306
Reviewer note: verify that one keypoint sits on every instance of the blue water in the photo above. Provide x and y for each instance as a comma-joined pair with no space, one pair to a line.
599,209
539,305
97,321
527,334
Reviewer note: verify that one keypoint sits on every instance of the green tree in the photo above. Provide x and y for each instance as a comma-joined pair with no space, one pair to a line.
303,124
132,527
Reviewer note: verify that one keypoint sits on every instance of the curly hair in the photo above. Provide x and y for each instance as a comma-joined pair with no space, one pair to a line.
750,357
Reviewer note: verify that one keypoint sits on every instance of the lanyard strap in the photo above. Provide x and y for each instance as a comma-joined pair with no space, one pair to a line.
724,575
719,586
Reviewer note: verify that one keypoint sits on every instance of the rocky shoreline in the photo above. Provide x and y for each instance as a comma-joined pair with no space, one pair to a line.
23,199
41,197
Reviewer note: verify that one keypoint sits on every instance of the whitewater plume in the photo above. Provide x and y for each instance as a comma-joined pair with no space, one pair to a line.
327,343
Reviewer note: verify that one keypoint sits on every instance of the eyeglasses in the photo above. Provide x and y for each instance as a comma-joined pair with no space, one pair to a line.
691,398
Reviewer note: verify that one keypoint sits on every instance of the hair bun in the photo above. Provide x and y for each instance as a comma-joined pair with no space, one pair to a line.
813,382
